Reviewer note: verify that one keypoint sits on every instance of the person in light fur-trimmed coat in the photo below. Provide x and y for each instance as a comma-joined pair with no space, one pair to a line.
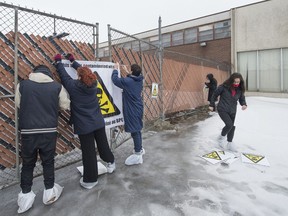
39,99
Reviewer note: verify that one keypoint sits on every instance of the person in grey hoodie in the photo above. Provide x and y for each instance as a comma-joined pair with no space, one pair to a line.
38,99
132,86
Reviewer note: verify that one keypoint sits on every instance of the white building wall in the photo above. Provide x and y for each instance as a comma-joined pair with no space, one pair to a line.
261,26
259,43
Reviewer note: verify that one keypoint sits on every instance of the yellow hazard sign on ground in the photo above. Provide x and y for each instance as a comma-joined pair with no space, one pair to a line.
212,155
254,159
216,156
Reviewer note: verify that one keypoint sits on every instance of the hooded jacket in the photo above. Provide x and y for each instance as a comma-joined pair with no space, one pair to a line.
132,100
212,85
227,102
86,115
39,99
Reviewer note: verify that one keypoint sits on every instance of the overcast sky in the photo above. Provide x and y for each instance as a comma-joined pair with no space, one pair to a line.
131,16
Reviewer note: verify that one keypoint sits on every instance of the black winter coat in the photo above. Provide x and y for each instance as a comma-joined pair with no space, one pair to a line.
86,115
212,86
227,102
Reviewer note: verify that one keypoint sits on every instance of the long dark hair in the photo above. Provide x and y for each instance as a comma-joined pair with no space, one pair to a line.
229,82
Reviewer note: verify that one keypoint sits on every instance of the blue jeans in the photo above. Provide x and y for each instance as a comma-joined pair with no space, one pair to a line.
137,139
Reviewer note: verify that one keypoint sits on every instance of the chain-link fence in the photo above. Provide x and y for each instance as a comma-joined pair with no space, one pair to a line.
180,77
29,38
127,50
183,80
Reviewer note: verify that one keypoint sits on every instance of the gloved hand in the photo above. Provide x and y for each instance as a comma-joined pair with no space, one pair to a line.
70,57
57,58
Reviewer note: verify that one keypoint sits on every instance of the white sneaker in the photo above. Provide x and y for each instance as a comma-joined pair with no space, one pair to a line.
231,146
222,142
87,185
25,201
111,167
52,195
134,159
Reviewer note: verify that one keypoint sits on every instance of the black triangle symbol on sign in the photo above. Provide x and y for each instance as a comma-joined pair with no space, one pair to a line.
107,106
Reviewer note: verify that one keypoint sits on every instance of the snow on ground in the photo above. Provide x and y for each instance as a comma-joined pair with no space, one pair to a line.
175,181
241,188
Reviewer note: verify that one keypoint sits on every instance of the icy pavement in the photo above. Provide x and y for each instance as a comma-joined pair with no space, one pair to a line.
175,181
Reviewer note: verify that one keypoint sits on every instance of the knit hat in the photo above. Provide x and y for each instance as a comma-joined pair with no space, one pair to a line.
43,69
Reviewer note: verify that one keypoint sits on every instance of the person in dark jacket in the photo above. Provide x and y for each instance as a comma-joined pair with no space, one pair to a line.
87,119
132,86
231,91
38,99
211,84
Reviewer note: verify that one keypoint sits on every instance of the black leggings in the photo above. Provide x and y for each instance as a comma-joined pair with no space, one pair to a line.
89,159
229,128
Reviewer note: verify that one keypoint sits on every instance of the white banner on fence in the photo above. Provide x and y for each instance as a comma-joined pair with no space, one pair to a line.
110,96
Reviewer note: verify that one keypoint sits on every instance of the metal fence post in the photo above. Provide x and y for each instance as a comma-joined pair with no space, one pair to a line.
109,43
54,26
28,37
96,46
15,86
160,53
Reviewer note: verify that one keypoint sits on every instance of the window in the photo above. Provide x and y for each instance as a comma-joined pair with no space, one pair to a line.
262,70
206,33
190,36
127,45
177,38
136,45
145,46
247,66
154,41
166,40
106,52
101,52
222,29
270,70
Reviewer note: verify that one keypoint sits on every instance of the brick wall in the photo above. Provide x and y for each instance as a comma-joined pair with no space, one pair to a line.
215,50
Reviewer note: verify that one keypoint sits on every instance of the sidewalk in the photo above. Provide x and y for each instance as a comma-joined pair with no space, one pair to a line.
153,188
175,181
